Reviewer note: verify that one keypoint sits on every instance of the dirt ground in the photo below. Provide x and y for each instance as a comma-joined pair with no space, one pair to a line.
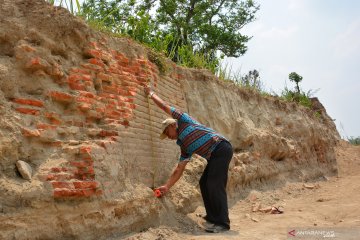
330,205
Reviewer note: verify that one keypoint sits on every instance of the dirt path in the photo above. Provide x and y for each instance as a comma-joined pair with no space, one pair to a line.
331,205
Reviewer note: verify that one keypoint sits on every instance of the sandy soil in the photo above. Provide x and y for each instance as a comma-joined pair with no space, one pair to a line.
330,205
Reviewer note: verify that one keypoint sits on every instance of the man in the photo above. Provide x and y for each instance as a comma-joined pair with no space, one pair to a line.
192,137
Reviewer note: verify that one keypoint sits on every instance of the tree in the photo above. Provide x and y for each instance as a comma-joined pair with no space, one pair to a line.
294,77
207,26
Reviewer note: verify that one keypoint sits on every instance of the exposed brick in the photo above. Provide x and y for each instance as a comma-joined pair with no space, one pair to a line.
45,126
85,150
105,133
85,185
37,63
28,111
84,107
54,118
91,66
87,94
30,102
61,97
80,70
76,86
85,100
104,77
97,62
59,169
93,53
30,133
68,185
59,177
63,193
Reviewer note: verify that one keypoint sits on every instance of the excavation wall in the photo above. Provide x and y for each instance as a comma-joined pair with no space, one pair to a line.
72,107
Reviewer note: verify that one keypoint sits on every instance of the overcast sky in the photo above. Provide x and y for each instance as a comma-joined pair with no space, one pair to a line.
318,39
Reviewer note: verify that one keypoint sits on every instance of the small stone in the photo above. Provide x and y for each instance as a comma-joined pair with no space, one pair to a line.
341,220
256,207
254,219
24,169
315,224
309,186
265,209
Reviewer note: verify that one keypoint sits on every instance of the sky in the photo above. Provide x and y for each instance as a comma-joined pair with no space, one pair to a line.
319,40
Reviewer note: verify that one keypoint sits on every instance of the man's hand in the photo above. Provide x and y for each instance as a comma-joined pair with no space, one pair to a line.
163,189
147,90
158,101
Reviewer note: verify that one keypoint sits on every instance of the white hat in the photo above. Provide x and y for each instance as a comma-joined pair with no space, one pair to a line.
164,125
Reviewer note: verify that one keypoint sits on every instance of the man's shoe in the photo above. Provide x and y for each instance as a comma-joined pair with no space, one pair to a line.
216,229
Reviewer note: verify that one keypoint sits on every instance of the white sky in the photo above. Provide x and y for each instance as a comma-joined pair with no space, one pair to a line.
318,39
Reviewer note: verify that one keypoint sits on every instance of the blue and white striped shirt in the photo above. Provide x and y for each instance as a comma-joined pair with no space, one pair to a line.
194,137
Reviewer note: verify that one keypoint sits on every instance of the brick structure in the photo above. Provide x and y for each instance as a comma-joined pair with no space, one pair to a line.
104,94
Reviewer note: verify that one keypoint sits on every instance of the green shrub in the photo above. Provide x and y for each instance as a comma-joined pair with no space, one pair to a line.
354,141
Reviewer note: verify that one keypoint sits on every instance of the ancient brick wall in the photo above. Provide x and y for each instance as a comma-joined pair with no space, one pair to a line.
93,104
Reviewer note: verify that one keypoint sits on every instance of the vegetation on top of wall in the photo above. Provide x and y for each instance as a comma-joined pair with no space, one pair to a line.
193,34
354,141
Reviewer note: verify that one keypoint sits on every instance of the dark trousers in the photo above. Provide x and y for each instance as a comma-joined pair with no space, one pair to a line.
213,185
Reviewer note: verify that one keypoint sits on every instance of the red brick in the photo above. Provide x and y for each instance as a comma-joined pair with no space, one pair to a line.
113,114
68,185
76,86
105,133
61,97
85,185
104,77
125,123
54,144
53,117
84,107
68,193
80,70
87,94
97,62
37,63
94,53
30,132
59,169
85,100
91,67
31,102
91,192
28,111
85,149
44,126
59,177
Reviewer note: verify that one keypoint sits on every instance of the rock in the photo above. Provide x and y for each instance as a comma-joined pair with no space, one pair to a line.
254,219
309,186
24,169
256,207
265,209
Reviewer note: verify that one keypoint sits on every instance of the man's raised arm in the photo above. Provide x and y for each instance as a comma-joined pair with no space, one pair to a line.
163,105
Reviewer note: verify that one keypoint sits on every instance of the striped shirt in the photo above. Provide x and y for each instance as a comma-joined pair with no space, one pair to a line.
194,137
